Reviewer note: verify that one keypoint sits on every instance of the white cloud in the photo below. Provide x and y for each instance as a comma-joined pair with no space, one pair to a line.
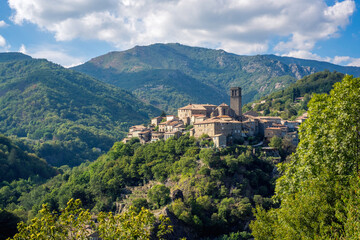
339,60
346,60
307,55
3,24
22,49
2,41
240,26
355,62
54,54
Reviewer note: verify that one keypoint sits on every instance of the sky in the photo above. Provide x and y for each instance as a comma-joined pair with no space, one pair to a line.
71,32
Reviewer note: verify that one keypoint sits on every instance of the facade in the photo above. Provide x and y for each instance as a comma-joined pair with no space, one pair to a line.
155,121
223,110
219,140
217,125
270,132
185,113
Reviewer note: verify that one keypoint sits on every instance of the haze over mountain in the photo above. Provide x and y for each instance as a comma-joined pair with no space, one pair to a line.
172,75
75,116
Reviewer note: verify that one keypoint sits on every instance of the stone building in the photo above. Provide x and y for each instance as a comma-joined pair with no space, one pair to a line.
218,125
186,113
270,132
224,109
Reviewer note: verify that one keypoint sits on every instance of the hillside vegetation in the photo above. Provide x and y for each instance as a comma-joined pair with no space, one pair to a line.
169,75
215,190
65,116
16,164
319,187
292,101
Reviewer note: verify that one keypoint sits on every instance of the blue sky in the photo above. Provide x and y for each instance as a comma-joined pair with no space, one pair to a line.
70,32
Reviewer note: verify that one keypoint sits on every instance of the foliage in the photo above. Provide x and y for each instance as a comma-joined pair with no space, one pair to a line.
16,164
275,142
159,195
283,102
318,187
8,222
72,223
217,187
66,117
132,224
75,222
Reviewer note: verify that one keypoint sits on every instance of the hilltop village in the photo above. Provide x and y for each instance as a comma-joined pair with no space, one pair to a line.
224,124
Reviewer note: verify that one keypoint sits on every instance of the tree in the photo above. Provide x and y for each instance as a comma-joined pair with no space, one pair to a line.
72,223
159,195
318,189
275,142
131,225
75,222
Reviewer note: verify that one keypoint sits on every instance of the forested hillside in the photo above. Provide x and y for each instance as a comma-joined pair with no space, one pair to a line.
66,117
16,164
209,192
292,101
169,75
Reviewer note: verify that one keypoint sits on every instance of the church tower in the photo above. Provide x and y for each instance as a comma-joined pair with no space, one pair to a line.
235,100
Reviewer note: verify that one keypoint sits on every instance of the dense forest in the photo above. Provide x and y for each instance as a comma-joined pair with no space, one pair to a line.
215,190
61,115
292,101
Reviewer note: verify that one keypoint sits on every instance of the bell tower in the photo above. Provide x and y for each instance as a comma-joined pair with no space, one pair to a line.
235,100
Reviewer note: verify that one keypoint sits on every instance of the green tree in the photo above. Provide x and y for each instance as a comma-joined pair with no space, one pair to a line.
159,195
75,222
275,142
317,187
72,223
132,225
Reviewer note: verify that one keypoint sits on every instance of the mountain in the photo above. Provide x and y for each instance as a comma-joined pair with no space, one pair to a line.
68,117
292,101
172,75
16,164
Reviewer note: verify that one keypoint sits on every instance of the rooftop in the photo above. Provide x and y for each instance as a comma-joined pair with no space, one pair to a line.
197,107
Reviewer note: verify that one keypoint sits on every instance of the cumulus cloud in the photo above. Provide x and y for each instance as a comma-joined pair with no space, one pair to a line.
239,26
339,60
3,23
54,54
2,41
346,60
22,49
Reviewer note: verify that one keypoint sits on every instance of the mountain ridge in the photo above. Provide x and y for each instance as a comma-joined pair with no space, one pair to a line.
257,75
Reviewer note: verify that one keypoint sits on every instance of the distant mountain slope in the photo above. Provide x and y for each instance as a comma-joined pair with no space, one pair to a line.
292,101
257,75
75,114
16,164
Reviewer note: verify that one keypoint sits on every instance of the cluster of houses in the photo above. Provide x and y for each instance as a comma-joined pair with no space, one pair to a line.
224,124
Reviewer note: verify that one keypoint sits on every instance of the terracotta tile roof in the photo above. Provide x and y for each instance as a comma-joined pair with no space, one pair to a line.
217,120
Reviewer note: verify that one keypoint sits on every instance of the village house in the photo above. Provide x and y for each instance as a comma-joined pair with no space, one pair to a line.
218,125
186,113
156,120
279,131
